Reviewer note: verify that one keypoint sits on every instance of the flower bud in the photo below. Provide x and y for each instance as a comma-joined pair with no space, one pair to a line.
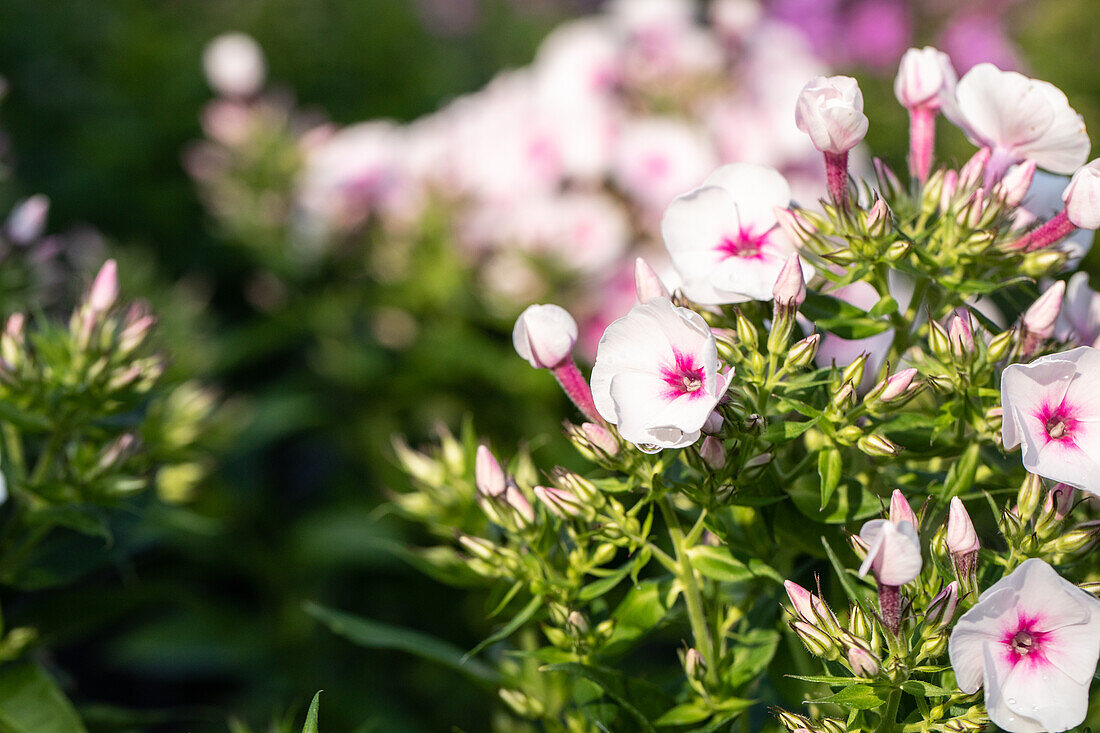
934,646
1082,196
817,641
925,75
1056,505
27,220
830,111
971,213
565,479
1079,538
900,511
793,722
760,459
695,667
886,177
790,287
878,218
947,192
104,290
576,624
713,453
878,445
961,335
746,332
488,475
862,662
854,372
478,547
1014,186
234,65
521,509
961,538
1000,345
1040,318
600,437
898,250
797,229
897,385
832,725
1027,498
809,607
941,609
647,284
544,335
843,397
561,503
938,341
713,424
859,625
973,170
802,353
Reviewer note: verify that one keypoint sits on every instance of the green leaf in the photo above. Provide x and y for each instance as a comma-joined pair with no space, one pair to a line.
597,588
509,628
857,697
919,688
311,716
825,679
375,635
718,563
829,466
752,653
625,691
639,613
30,702
786,430
685,714
961,475
840,318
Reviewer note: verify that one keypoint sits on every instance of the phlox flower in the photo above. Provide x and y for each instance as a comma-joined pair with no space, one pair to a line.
1032,642
723,238
1052,409
893,552
1019,119
657,159
1043,201
656,375
1079,319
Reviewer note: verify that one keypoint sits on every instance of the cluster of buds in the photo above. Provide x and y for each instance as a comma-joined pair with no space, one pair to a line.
1041,523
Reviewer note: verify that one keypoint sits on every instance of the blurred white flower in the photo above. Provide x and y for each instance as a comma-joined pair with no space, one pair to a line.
234,65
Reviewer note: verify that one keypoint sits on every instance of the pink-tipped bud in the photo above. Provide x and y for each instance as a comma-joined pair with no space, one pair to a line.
971,214
1014,186
807,606
886,175
488,475
1082,196
713,423
600,437
830,111
897,385
519,505
941,609
961,334
974,169
647,284
862,662
104,290
950,185
713,452
961,538
797,229
560,502
790,286
1041,317
27,220
1059,500
900,511
878,217
925,76
544,335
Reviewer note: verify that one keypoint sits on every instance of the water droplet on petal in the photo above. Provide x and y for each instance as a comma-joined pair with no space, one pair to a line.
1011,701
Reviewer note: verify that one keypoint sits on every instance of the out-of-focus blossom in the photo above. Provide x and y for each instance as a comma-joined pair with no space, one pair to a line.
1082,196
1052,409
544,335
657,159
830,111
27,220
1079,319
234,65
656,375
974,38
1032,642
723,237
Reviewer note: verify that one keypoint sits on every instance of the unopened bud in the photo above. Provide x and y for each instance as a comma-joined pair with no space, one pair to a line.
544,335
793,722
843,397
713,424
971,213
961,538
1077,539
790,287
1000,345
859,625
561,503
695,667
878,218
832,725
1014,186
897,385
104,291
854,372
576,624
817,642
947,192
478,547
809,607
1042,262
488,475
521,510
601,438
647,284
886,176
746,332
973,170
900,511
116,450
862,662
1040,318
941,609
584,489
712,452
934,646
761,459
797,229
961,334
522,703
802,353
938,341
878,445
1028,497
898,250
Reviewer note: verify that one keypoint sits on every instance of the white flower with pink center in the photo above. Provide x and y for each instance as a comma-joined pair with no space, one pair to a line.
723,237
656,375
1052,409
1032,642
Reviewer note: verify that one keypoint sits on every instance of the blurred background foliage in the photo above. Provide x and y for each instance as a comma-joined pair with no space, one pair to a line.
198,613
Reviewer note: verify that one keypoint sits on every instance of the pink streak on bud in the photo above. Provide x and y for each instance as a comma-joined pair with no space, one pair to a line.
515,499
600,437
488,475
961,538
1059,500
950,185
560,502
713,453
863,663
576,386
795,227
897,385
790,286
961,334
878,215
104,290
922,140
886,175
1014,186
974,169
1040,318
713,423
900,511
941,609
836,176
647,284
808,606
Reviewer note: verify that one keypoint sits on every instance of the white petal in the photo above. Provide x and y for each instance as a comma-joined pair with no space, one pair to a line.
1002,108
976,627
1045,596
997,670
694,226
756,189
1040,691
1064,147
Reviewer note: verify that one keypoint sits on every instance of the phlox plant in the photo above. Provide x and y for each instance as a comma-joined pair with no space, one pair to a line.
798,502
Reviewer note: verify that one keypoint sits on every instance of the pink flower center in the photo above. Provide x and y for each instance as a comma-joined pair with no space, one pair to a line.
1059,422
743,244
684,377
1023,642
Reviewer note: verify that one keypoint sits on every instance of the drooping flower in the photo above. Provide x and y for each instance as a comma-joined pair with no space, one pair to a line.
723,239
893,552
1032,642
1051,408
1019,119
656,375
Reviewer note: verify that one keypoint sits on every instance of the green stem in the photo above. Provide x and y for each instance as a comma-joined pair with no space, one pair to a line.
45,460
888,722
692,596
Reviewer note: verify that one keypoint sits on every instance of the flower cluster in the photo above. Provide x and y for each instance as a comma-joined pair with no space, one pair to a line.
750,422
